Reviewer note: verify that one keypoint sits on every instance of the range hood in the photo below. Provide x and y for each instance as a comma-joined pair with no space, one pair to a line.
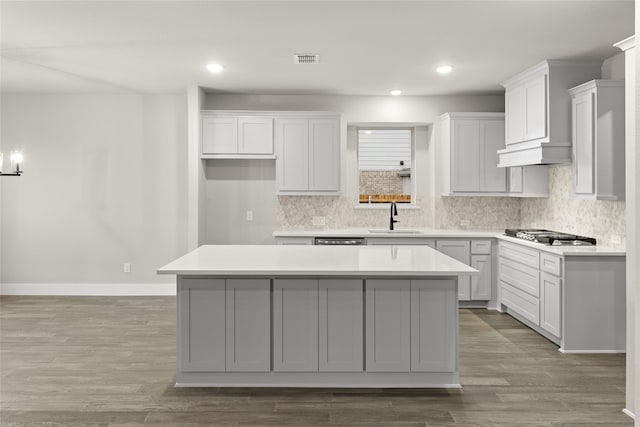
538,112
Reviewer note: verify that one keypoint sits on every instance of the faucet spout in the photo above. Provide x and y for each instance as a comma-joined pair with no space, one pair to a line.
394,212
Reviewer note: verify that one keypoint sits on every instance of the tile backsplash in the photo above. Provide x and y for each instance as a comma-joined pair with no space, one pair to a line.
604,220
560,212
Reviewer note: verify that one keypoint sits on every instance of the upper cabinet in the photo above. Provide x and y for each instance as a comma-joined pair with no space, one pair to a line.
598,139
538,112
308,154
469,144
235,134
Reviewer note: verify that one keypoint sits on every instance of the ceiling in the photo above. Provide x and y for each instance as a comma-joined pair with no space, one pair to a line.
365,47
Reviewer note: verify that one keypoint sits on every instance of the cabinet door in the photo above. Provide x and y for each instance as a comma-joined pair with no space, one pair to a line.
295,325
583,143
219,135
248,305
292,164
536,108
514,115
201,318
388,305
492,178
481,285
466,152
433,326
255,135
340,325
324,155
550,313
460,250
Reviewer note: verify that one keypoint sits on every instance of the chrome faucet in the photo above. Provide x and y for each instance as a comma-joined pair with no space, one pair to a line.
394,212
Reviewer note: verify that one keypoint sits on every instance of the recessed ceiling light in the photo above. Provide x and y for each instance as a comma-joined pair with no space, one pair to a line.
444,69
215,68
395,92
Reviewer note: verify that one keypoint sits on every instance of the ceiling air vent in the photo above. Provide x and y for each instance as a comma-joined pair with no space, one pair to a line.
305,58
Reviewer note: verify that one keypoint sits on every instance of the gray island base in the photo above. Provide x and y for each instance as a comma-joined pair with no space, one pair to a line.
280,316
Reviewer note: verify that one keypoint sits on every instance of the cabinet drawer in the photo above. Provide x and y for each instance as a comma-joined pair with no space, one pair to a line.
526,256
520,302
481,247
551,264
520,276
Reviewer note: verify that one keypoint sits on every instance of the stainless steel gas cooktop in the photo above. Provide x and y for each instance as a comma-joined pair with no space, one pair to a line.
548,237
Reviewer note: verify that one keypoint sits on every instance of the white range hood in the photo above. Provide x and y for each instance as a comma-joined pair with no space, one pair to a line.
538,112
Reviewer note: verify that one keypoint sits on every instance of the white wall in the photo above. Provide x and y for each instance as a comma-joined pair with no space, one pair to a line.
104,184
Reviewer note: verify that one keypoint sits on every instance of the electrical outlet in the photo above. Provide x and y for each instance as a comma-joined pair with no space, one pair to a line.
464,223
615,239
249,215
127,267
319,221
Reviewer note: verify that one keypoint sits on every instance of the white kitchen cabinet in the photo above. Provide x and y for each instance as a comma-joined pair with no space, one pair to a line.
469,144
461,251
537,112
481,285
575,301
308,155
202,325
388,333
550,303
433,319
598,139
228,134
529,181
225,325
295,325
341,336
248,325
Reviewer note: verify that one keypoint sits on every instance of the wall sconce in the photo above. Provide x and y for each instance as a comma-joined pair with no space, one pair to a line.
16,158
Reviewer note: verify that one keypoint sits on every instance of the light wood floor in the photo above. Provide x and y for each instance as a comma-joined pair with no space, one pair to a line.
110,361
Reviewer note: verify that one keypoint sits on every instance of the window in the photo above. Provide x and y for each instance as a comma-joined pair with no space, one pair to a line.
384,165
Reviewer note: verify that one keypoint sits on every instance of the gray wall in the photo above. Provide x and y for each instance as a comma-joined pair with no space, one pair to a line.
104,184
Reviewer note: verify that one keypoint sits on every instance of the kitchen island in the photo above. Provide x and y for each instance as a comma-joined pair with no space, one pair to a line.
314,316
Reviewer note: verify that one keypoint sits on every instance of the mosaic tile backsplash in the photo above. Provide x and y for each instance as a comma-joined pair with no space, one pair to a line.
561,212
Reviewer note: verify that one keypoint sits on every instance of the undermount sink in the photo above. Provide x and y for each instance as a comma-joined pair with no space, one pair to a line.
398,231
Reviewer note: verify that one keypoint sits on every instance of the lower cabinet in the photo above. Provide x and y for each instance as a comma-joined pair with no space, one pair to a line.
481,285
317,325
410,326
340,328
461,251
550,308
225,325
388,325
295,325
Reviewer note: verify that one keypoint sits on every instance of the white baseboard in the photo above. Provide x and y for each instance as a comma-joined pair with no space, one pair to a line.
561,350
87,289
629,413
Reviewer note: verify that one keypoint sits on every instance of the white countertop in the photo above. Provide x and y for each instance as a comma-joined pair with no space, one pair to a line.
415,232
438,233
337,261
566,250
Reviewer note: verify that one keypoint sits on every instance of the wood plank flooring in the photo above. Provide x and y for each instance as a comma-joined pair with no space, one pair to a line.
110,361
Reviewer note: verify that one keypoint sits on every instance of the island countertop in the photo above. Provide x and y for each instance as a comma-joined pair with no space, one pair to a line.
329,261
